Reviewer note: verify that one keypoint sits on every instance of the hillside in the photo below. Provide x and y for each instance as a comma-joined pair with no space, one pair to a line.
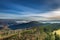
34,24
34,33
26,25
31,31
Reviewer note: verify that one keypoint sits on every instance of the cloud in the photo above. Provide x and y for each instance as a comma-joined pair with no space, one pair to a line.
25,5
22,21
33,16
54,13
46,10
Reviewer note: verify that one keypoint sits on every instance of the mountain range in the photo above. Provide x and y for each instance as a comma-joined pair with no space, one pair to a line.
26,25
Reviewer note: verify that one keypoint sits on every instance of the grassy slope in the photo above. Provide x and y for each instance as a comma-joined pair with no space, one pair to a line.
35,33
57,31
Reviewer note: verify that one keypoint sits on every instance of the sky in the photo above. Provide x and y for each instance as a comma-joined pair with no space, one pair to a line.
33,9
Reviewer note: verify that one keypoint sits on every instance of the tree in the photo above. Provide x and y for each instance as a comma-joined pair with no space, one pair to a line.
56,36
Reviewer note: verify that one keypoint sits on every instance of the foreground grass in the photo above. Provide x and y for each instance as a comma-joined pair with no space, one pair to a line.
7,36
35,33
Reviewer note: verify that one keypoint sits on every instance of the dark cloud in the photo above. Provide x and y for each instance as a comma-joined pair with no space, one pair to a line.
28,6
35,4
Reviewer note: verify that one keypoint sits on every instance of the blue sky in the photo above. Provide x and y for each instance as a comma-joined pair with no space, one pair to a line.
16,9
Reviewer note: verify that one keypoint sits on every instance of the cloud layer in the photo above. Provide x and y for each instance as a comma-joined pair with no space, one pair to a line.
30,9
